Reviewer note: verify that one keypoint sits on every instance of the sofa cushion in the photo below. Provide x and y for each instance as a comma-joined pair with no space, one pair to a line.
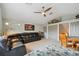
18,51
2,51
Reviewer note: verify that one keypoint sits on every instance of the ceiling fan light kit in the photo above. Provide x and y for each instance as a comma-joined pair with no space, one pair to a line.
43,12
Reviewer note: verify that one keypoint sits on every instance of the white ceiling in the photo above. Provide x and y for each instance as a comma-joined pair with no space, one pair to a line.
24,12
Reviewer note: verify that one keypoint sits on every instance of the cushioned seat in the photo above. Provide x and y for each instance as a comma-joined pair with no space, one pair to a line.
18,51
70,44
2,51
77,46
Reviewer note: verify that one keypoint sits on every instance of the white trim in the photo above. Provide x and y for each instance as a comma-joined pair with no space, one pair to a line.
69,28
57,24
58,32
68,21
47,31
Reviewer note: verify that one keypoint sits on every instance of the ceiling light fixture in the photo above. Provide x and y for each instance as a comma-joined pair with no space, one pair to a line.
19,24
43,13
7,23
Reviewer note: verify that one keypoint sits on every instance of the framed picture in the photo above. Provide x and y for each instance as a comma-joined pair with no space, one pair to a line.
29,27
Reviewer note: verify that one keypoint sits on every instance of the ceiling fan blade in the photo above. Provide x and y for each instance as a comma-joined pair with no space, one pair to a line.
48,9
37,12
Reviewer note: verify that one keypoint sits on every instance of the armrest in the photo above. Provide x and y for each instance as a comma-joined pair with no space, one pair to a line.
18,51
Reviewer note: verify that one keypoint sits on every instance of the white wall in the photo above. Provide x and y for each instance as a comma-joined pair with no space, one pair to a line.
0,23
64,28
45,28
53,33
74,29
68,17
14,28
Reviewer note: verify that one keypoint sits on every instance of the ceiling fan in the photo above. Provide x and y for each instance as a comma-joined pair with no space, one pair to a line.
43,11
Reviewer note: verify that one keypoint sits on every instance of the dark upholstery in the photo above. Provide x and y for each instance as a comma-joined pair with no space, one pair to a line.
23,37
18,51
2,51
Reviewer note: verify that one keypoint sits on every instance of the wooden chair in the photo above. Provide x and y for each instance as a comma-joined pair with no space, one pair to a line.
77,46
65,41
69,44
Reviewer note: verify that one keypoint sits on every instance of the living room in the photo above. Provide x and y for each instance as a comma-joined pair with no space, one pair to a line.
34,26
